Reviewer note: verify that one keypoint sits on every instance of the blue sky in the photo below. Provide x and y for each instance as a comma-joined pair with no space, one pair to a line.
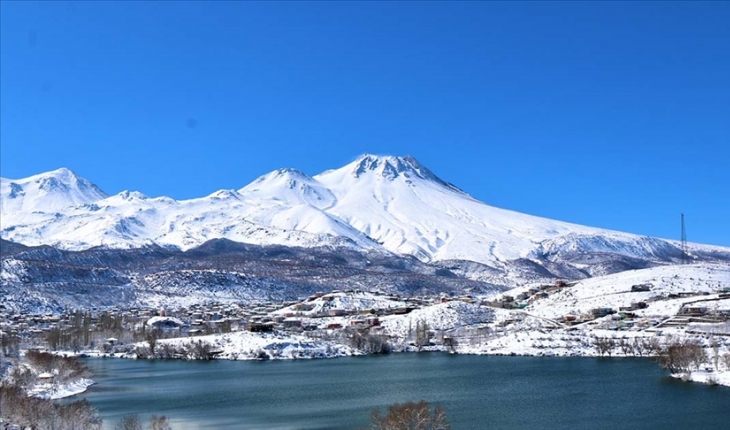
614,115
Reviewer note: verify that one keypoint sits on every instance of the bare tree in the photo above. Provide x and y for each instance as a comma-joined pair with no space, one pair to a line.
652,346
75,345
159,423
9,345
638,346
726,361
65,368
451,343
362,339
80,415
129,422
423,336
603,345
151,337
410,416
626,347
200,350
715,345
53,338
682,356
168,350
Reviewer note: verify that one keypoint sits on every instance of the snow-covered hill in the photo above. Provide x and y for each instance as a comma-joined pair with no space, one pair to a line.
43,279
383,203
667,284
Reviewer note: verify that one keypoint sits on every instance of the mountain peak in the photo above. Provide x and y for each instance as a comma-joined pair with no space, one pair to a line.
225,195
65,180
132,195
290,173
388,166
286,176
60,179
61,172
47,191
290,185
391,167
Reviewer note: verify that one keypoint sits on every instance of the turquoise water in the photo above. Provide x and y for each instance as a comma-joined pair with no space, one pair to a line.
478,392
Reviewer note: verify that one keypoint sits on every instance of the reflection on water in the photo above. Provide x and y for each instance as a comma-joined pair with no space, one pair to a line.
477,391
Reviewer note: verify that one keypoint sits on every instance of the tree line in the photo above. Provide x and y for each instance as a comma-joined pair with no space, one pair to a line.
678,355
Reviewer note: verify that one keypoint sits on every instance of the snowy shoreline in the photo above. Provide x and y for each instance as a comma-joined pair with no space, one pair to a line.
60,391
700,376
247,346
705,377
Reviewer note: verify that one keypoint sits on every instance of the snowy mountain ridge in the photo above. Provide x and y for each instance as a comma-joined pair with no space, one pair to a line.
385,203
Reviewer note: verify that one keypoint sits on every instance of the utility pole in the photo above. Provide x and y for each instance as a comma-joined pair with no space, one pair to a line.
685,255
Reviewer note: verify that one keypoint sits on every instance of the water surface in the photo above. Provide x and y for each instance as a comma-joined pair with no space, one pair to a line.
479,392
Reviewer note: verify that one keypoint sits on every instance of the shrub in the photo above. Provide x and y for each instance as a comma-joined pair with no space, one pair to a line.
410,416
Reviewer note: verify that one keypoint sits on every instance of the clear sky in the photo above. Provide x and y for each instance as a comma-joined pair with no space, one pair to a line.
614,115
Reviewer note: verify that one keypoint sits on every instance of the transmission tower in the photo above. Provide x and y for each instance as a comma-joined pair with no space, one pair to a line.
685,256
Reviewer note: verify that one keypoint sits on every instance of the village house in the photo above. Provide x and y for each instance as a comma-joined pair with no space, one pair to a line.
641,287
336,312
693,310
292,323
601,312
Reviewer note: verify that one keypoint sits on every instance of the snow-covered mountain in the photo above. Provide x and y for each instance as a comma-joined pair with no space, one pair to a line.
47,192
409,210
381,203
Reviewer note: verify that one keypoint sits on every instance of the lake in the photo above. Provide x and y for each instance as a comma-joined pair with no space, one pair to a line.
478,392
